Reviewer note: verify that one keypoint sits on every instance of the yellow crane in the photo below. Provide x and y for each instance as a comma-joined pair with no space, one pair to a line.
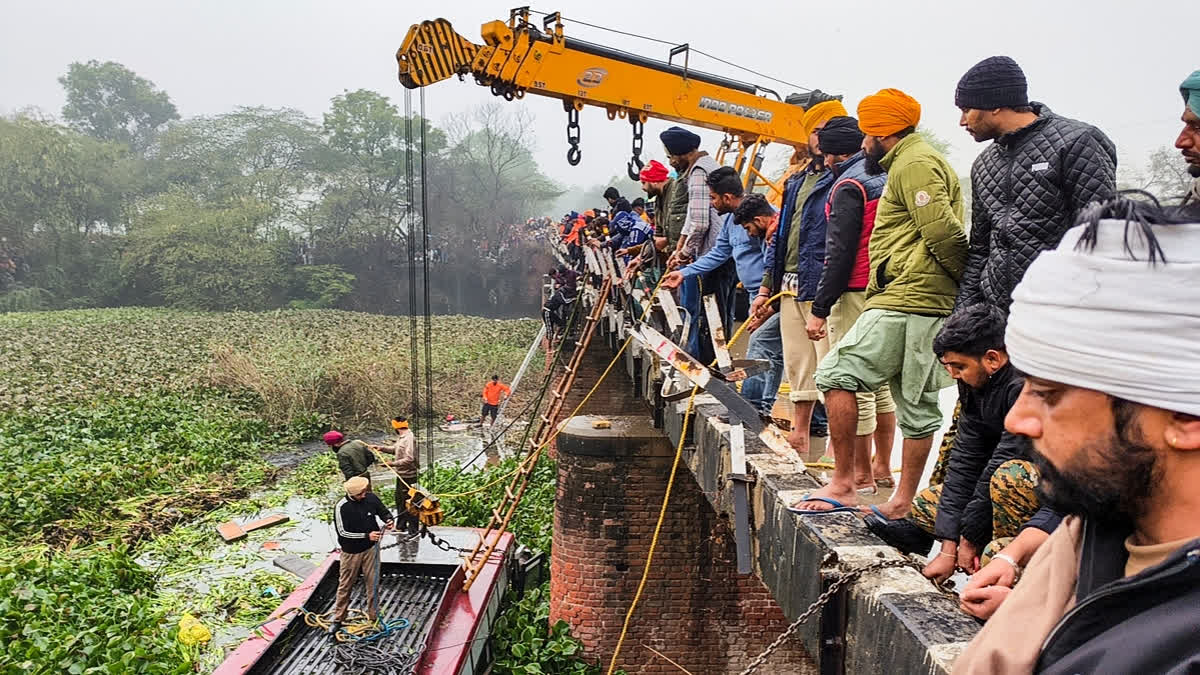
518,57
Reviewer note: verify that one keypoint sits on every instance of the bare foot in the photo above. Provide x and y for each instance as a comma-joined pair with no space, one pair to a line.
892,509
864,483
827,492
882,474
799,442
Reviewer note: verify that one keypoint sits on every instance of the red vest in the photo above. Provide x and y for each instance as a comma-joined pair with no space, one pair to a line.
860,275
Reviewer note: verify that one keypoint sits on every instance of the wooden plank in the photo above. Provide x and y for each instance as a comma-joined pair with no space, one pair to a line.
737,449
678,358
741,498
590,256
231,531
674,322
269,521
717,330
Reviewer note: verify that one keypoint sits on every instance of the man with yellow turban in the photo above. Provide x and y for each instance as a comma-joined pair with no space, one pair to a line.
793,263
918,252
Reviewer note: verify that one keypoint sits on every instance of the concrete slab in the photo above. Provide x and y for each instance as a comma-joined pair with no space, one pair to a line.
294,564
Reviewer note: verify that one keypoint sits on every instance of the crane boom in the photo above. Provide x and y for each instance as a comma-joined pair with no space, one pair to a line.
518,57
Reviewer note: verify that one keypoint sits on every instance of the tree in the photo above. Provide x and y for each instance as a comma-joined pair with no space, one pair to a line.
496,179
64,199
1164,175
112,103
264,154
940,144
186,254
365,196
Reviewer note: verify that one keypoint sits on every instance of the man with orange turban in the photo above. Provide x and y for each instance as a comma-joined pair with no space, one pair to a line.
918,252
794,259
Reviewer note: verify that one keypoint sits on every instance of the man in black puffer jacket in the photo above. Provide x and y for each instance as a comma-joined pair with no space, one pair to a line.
1027,186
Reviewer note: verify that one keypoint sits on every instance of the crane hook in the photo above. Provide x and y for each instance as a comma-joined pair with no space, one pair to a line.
573,152
635,163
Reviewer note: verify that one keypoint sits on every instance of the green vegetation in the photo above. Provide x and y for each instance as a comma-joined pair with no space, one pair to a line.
523,645
88,611
130,433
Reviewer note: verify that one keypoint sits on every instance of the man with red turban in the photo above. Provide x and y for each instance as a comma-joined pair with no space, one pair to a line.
354,457
918,252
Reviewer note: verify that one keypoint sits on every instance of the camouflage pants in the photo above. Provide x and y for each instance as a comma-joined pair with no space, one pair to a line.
939,469
1013,503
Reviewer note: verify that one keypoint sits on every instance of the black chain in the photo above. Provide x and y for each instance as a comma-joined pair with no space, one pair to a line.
635,164
437,541
823,599
442,543
573,153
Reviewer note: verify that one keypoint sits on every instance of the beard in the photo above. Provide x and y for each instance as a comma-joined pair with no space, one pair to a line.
1194,170
1116,485
871,164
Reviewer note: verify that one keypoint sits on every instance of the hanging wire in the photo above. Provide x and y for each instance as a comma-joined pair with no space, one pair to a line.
675,44
428,311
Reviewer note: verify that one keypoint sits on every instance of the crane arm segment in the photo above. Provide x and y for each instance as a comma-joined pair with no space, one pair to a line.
518,58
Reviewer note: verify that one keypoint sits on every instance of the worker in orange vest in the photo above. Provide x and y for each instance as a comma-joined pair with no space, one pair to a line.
493,393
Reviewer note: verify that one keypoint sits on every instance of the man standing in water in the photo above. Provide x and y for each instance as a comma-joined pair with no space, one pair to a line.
493,393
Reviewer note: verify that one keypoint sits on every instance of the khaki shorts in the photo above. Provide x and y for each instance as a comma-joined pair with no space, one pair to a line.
871,404
800,355
893,348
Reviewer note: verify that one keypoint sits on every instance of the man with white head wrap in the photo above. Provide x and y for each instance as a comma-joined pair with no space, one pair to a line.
1107,330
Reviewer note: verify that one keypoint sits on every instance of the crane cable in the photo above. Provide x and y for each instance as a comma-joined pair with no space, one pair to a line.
662,512
536,452
676,44
416,338
429,405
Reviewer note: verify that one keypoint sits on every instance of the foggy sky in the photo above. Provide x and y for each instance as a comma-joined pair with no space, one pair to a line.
1114,64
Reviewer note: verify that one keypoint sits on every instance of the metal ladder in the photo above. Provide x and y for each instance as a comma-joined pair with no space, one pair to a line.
501,515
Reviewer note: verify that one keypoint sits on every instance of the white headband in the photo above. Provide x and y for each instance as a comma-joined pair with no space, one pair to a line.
1101,320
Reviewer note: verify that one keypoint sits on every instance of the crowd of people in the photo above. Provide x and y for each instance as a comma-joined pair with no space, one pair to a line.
1067,315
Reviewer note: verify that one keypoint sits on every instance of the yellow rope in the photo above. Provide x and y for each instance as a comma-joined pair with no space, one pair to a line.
667,498
742,329
662,514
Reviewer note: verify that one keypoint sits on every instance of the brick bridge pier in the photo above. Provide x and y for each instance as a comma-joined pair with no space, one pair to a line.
696,610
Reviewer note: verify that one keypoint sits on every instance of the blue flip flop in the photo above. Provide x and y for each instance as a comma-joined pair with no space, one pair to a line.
838,507
876,511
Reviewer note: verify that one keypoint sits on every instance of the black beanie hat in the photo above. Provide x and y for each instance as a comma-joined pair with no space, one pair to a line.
995,82
840,136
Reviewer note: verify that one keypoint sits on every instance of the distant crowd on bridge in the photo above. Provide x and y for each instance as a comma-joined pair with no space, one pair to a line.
1068,315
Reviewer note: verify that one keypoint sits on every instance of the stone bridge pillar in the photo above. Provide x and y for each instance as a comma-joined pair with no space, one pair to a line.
695,609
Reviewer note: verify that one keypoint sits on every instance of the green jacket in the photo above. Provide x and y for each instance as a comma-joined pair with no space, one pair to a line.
355,459
918,247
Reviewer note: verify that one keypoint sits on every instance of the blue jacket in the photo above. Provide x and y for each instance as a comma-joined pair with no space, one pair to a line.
619,227
812,235
732,242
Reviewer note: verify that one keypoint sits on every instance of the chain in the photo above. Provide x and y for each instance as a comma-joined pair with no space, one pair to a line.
442,543
823,599
433,539
573,153
635,164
